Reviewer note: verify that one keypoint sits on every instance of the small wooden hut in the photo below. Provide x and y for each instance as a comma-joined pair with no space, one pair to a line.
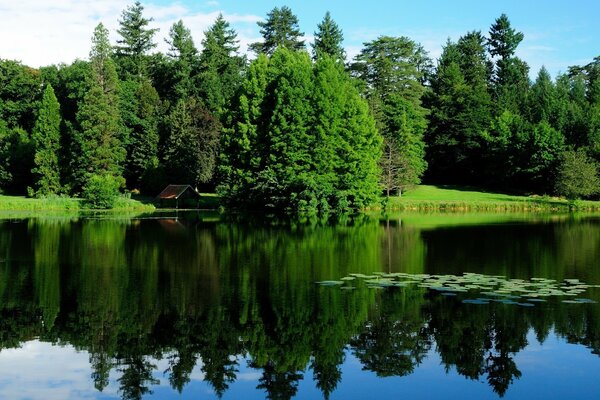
179,195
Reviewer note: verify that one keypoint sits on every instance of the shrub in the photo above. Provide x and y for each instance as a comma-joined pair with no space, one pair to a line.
577,175
101,191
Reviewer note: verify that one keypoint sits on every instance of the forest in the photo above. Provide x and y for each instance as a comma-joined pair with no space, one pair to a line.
295,127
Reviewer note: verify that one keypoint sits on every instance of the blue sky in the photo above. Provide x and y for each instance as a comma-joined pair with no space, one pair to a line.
557,33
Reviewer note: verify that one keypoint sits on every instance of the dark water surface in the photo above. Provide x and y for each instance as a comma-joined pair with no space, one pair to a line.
196,307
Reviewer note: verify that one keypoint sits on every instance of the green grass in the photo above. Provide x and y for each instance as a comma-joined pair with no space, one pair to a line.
20,203
454,198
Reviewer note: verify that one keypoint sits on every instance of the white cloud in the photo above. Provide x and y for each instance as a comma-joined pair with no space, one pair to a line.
42,33
42,371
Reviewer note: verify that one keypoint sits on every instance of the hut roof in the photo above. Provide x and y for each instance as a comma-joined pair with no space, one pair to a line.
175,191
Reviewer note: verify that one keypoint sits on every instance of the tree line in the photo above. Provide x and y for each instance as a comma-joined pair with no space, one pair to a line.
292,129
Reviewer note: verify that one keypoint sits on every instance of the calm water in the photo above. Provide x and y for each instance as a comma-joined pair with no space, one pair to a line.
195,307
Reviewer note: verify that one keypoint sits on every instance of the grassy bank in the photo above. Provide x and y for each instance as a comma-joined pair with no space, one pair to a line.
19,203
452,198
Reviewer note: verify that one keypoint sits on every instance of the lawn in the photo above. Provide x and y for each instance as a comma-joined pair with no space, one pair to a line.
427,197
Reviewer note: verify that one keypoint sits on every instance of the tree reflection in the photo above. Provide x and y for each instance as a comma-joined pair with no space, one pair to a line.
210,295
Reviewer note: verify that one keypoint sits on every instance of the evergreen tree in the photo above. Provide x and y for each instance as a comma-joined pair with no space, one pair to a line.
184,54
461,109
192,147
220,67
139,109
279,30
511,78
301,139
543,101
243,146
136,41
393,70
328,40
100,140
46,142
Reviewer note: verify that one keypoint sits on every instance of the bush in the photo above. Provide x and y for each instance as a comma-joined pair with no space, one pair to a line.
101,191
577,175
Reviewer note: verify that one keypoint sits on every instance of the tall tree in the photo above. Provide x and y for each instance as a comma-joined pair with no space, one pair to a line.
392,69
302,139
221,67
46,142
511,77
192,147
139,108
100,144
279,30
461,109
184,54
328,40
136,41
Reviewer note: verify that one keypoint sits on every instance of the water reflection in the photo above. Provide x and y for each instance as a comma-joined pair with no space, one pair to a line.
143,297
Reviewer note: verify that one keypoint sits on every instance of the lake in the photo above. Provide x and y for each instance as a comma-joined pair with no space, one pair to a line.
191,305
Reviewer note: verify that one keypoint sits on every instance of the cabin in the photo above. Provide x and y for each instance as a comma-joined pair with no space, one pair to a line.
175,196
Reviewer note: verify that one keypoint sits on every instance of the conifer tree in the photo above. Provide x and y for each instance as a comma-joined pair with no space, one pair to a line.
136,41
184,54
220,66
100,140
328,40
279,30
46,142
392,70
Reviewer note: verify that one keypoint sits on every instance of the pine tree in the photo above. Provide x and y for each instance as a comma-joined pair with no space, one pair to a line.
301,139
136,41
511,78
220,66
192,147
101,150
543,100
279,30
328,40
461,110
184,54
392,70
46,142
139,109
243,147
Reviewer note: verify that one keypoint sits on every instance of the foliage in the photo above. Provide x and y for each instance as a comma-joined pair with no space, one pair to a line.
136,40
184,54
220,67
393,71
100,141
578,175
46,142
328,40
101,191
301,140
279,30
192,147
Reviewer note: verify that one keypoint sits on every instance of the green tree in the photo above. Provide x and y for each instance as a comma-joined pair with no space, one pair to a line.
328,40
279,30
136,41
301,139
393,70
20,92
577,175
511,78
139,110
242,143
221,67
543,99
192,147
100,139
46,142
461,109
184,54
